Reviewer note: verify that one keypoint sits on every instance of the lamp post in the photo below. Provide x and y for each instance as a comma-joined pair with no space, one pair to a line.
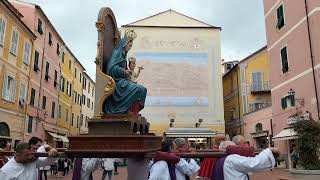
171,122
199,122
292,93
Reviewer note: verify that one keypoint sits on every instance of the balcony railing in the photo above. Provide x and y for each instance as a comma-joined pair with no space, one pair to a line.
295,119
260,87
257,106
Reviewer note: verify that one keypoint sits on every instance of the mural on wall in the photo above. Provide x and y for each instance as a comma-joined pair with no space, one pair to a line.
174,79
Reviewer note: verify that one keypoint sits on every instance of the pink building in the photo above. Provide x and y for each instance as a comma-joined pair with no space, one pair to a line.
42,111
293,35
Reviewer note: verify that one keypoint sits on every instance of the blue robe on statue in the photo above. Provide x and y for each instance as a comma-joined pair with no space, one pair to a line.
126,92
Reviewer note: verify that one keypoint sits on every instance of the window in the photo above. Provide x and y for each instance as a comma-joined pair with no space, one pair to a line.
89,87
53,108
287,101
75,96
69,65
229,66
72,118
67,91
79,100
78,122
62,57
22,94
75,73
50,39
44,102
33,95
80,77
88,103
46,77
284,60
70,90
27,50
92,91
58,49
36,61
2,31
55,78
280,17
30,124
62,84
83,99
91,105
84,85
256,81
8,92
40,26
67,115
14,42
59,111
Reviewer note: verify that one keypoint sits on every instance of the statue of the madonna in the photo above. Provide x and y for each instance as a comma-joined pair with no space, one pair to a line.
128,96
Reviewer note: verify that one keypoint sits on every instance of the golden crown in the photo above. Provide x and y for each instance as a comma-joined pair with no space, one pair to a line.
130,34
132,59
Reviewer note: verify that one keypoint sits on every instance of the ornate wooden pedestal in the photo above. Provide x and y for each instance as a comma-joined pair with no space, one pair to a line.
115,136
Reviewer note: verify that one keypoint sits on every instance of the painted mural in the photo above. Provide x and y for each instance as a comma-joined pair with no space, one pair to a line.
174,79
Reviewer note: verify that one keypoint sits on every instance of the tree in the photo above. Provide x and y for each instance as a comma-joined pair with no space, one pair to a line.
308,142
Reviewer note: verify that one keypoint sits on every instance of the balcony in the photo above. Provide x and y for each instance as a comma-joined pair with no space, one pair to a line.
257,106
260,87
298,117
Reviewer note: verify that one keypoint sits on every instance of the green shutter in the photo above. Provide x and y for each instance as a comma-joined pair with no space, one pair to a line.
280,17
284,102
284,60
292,100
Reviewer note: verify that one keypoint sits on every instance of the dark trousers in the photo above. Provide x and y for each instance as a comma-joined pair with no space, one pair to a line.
44,172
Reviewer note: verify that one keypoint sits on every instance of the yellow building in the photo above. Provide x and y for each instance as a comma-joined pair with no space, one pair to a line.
255,81
181,57
16,45
65,95
232,102
246,89
78,71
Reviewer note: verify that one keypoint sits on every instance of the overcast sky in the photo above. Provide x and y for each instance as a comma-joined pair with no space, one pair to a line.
242,22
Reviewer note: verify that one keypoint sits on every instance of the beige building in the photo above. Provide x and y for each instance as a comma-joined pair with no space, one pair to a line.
88,96
181,58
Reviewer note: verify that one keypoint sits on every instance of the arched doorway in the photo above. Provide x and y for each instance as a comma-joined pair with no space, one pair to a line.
4,134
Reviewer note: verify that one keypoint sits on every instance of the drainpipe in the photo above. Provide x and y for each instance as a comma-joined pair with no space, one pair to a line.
312,60
239,99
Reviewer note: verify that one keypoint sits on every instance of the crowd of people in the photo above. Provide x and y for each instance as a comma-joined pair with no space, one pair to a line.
238,160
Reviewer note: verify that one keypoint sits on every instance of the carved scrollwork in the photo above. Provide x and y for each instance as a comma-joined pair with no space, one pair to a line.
99,54
110,86
100,26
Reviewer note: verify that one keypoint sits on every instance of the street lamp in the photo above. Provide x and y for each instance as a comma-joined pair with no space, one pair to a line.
292,93
171,122
199,122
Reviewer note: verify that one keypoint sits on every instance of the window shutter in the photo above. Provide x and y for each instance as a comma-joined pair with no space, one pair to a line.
283,103
2,28
5,88
13,95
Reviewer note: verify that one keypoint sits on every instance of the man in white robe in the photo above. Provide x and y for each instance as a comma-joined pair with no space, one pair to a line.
160,170
23,166
88,166
238,167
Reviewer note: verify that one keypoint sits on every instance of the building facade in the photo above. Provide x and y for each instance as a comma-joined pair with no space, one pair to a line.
88,97
293,48
16,47
181,58
256,98
77,95
232,101
46,71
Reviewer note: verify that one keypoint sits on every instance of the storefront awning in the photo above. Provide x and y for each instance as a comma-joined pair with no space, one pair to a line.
260,134
190,132
62,138
285,134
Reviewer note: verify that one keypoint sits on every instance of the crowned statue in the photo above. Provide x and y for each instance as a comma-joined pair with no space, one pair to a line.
128,96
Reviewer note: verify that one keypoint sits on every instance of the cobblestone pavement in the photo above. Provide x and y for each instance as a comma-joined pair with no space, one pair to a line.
276,174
